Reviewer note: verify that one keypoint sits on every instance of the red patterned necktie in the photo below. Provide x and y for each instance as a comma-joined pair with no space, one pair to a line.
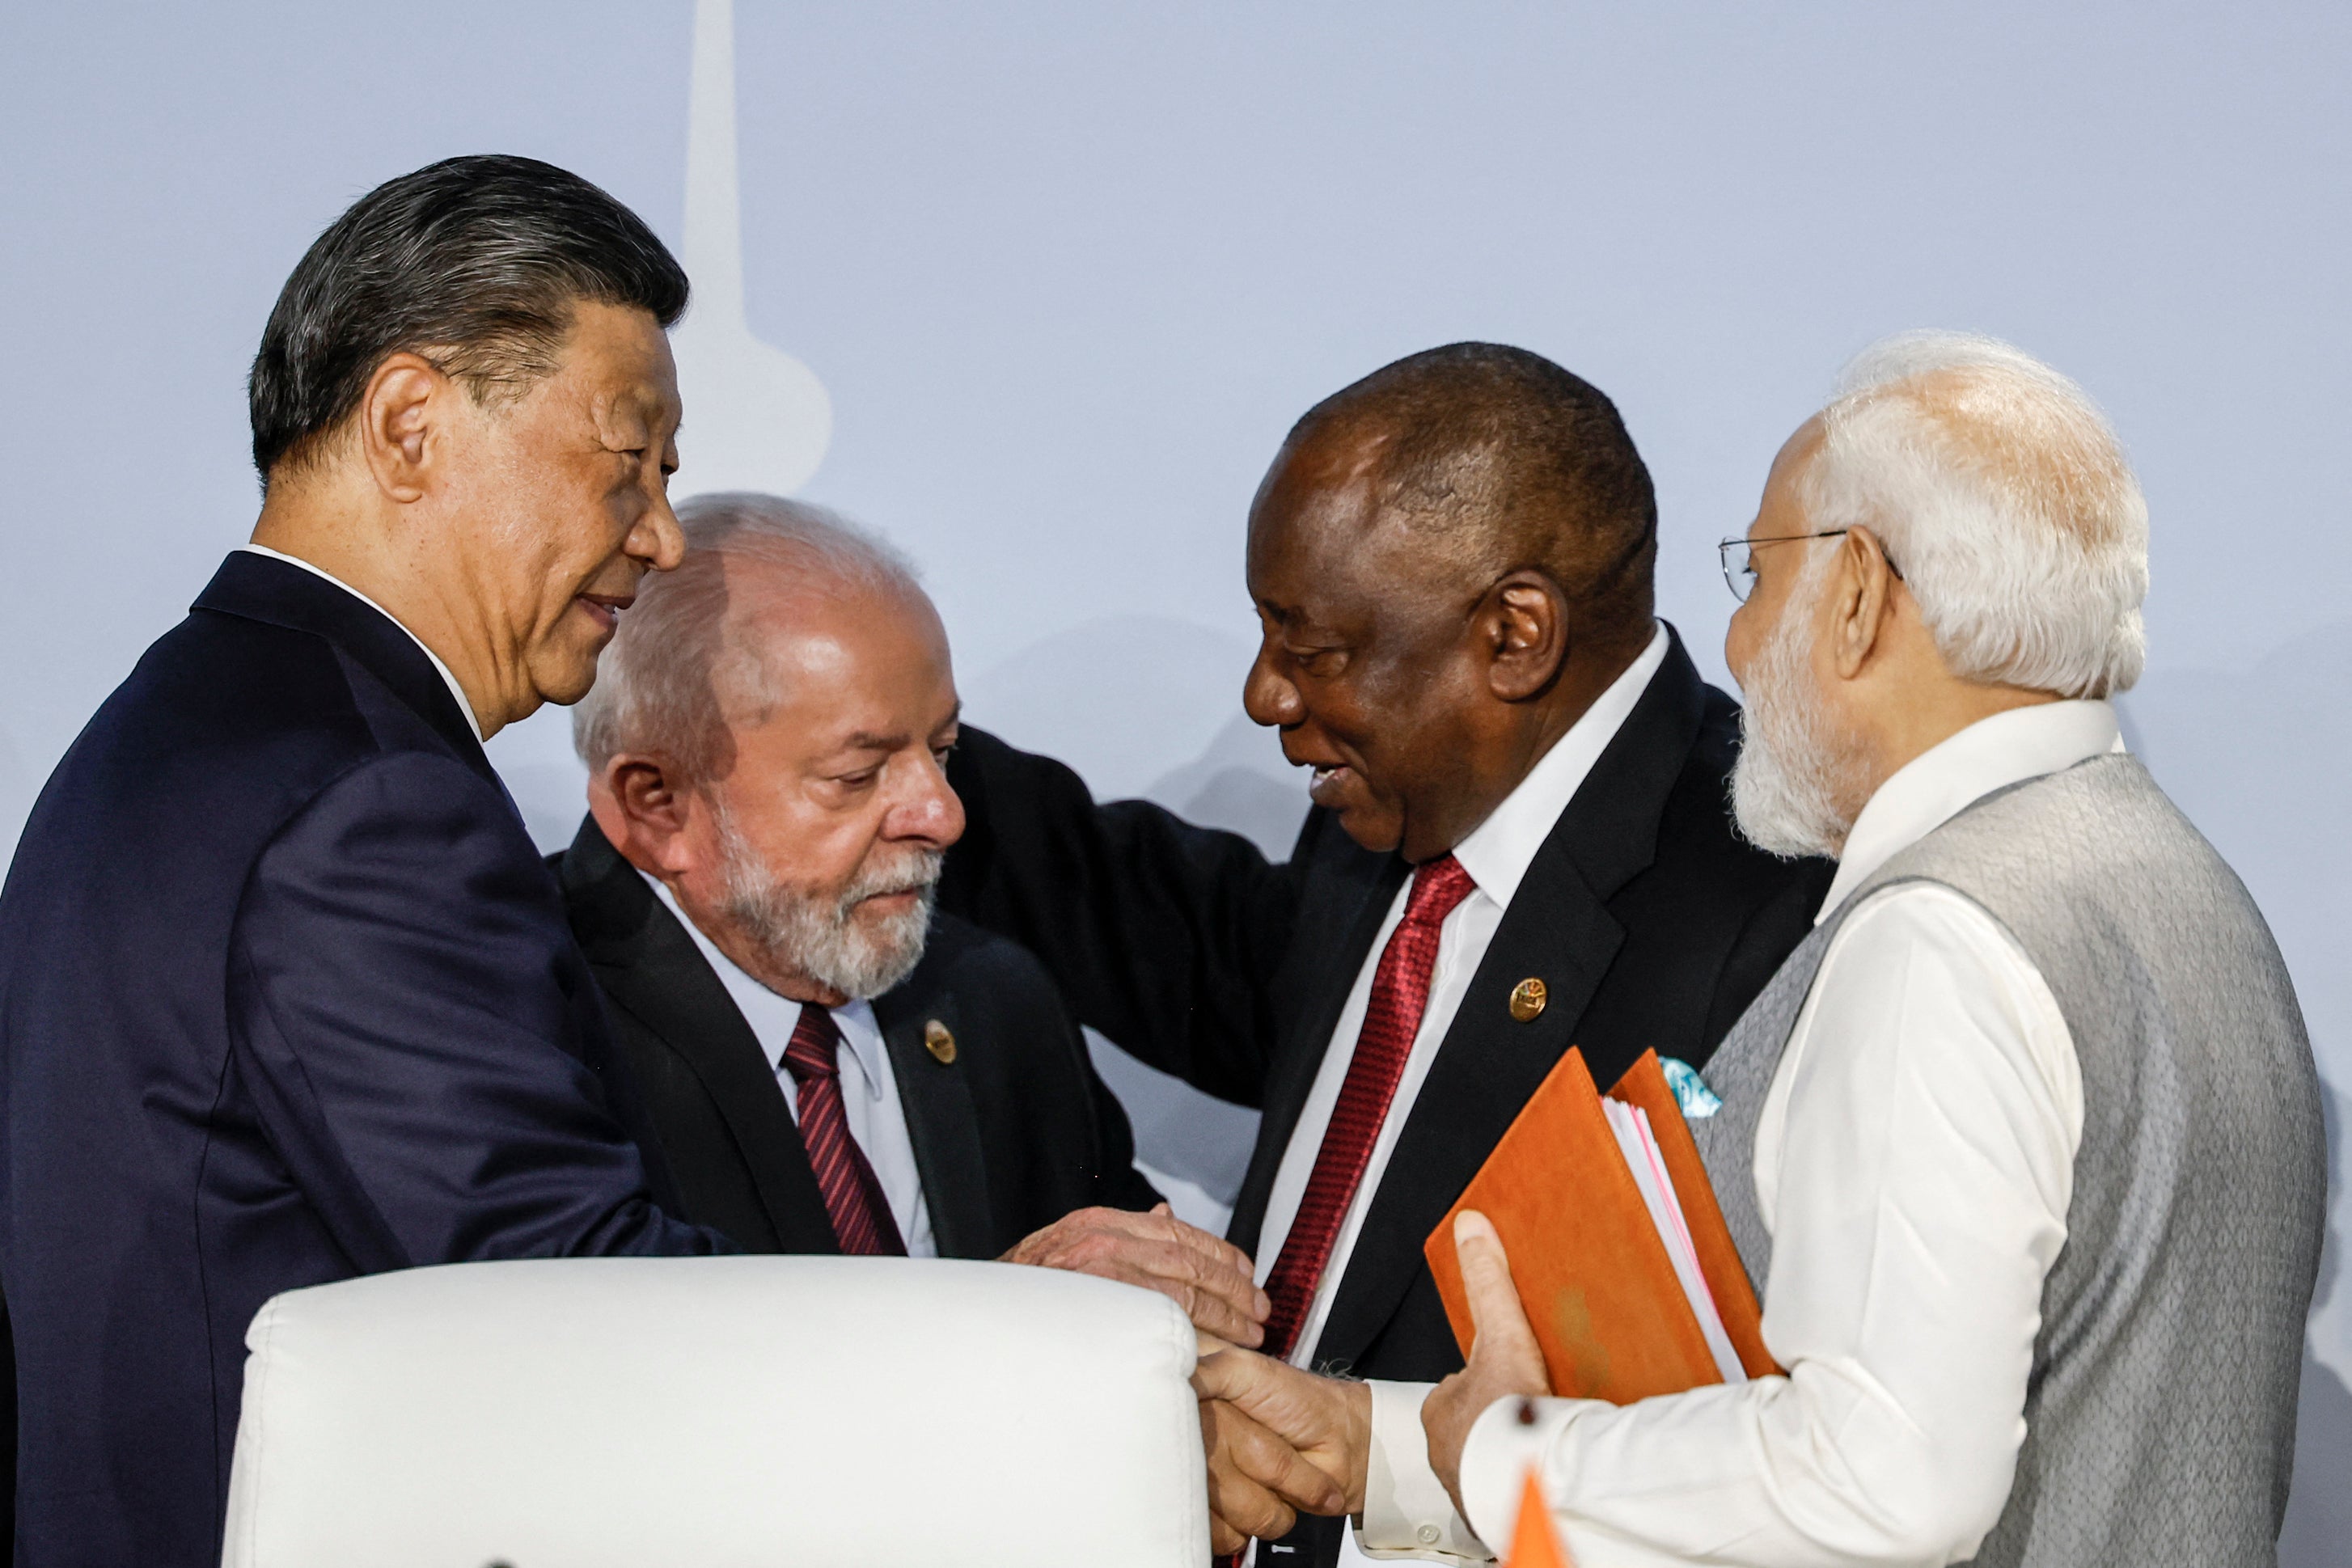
1400,993
861,1217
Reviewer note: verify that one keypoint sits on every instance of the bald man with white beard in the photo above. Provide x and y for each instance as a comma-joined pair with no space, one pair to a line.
2023,1147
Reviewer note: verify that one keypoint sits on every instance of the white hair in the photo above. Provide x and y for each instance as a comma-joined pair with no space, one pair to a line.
680,666
2003,497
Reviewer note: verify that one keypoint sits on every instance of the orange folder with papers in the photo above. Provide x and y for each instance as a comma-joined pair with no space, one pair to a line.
1590,1251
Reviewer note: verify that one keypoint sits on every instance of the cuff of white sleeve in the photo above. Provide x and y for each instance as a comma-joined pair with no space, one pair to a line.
1406,1510
1496,1459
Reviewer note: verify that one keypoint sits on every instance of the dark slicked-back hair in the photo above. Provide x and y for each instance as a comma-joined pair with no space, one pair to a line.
474,264
1509,462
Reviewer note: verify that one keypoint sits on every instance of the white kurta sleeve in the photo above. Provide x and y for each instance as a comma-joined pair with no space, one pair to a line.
1914,1163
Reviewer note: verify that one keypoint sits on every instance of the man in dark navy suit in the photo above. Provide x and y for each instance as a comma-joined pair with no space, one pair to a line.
286,993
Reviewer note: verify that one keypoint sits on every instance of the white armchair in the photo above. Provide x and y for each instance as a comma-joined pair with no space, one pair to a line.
634,1412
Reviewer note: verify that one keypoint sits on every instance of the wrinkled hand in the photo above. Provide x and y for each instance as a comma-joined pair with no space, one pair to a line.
1504,1358
1256,1481
1210,1279
1279,1441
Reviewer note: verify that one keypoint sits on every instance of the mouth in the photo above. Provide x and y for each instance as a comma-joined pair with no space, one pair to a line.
604,608
1329,781
895,900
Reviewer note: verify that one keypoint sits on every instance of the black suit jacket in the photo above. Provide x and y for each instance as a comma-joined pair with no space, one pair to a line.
286,996
1014,1132
1648,920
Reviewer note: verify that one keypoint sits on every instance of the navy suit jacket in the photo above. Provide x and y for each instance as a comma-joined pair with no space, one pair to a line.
285,996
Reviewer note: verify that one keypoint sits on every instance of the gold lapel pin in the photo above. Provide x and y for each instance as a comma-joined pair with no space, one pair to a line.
941,1042
1528,999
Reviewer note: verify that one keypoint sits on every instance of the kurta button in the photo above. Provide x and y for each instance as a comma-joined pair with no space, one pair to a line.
939,1041
1528,999
1428,1533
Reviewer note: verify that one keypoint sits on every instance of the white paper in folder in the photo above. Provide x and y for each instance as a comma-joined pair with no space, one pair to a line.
1640,1147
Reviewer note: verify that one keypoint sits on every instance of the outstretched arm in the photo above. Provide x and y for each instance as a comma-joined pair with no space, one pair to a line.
1163,935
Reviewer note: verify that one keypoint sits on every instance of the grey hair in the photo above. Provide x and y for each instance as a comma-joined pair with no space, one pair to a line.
2004,497
679,668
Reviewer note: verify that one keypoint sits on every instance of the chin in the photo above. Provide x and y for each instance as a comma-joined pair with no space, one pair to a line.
568,680
1376,829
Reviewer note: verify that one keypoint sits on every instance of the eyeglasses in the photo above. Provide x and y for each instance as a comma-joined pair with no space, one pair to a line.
1739,568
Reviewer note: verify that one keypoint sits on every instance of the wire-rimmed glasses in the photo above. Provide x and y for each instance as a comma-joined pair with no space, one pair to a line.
1739,570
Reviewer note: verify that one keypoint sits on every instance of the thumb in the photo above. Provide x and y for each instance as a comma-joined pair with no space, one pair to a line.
1495,1307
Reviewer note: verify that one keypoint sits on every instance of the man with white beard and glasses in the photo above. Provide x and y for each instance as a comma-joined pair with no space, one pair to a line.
816,1060
2022,1145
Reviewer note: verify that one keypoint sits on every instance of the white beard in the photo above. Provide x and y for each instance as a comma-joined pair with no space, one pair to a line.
821,937
1797,770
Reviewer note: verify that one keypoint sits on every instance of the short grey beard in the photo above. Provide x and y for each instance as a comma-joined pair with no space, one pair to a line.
1797,769
819,936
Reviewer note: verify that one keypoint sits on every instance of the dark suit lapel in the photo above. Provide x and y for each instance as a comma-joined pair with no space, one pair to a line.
1557,929
1333,976
941,1122
650,968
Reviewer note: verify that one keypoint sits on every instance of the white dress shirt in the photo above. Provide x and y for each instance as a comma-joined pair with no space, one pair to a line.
869,1089
1497,855
456,690
1914,1162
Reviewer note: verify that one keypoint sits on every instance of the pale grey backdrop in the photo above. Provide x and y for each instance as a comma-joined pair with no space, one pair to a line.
1067,272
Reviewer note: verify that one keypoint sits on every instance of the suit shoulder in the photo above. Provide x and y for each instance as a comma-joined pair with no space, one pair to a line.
965,957
1701,836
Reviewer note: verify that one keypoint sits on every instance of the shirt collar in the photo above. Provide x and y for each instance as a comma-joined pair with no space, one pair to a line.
1935,785
455,689
860,1031
1499,852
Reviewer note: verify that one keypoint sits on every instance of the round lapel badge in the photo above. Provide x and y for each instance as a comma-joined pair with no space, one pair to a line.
939,1041
1528,999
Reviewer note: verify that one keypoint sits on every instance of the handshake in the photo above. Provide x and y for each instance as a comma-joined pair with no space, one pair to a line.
1281,1441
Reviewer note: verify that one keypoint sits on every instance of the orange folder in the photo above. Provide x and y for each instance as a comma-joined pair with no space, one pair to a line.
1591,1271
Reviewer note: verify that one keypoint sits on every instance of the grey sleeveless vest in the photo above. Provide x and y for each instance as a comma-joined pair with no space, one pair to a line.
2161,1408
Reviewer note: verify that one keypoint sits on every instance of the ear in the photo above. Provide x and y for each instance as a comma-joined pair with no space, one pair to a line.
1860,598
1523,625
400,419
645,813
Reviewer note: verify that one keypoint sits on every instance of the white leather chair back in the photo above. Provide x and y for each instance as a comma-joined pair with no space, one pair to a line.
715,1411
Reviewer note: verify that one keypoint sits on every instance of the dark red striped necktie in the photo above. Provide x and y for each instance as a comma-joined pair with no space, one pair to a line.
1400,994
853,1199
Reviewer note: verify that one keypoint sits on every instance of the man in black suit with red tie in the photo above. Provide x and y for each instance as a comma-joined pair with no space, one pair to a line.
1522,841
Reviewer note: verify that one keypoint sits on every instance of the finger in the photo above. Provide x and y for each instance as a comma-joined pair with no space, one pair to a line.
1210,1313
1234,1494
1495,1309
1226,1302
1276,1465
1224,1539
1228,1375
1177,1250
1224,1260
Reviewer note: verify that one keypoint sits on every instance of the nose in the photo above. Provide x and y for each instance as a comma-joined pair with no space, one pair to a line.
1739,640
932,813
657,540
1268,696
